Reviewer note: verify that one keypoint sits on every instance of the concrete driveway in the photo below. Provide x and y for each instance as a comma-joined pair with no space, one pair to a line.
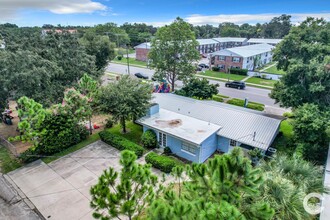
60,189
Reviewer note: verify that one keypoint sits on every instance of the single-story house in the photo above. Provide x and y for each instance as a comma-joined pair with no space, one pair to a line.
244,57
272,42
195,129
142,50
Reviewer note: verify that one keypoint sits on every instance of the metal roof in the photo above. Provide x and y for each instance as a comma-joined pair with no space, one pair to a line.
144,46
238,124
206,41
230,39
264,41
245,51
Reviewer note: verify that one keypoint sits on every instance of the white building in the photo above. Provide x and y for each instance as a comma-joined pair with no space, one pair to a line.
243,57
272,42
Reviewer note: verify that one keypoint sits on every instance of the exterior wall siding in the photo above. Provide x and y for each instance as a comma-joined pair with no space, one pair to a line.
223,144
208,147
175,145
228,62
141,54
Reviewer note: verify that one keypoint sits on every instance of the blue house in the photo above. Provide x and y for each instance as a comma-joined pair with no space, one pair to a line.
195,129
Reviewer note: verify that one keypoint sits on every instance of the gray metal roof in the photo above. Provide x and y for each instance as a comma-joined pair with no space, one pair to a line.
236,123
264,41
206,41
245,51
230,39
144,46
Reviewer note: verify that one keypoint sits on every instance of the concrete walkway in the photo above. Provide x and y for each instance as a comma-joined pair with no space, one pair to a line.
60,189
263,70
13,204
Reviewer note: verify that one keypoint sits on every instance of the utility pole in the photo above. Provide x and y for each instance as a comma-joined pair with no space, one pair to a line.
127,60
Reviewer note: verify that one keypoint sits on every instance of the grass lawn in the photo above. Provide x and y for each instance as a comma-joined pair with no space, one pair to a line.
251,105
283,142
274,70
132,61
7,161
89,140
260,81
222,75
134,134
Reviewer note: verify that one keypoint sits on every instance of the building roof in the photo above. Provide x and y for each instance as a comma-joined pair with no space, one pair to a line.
230,39
245,126
144,46
181,126
264,41
245,51
206,41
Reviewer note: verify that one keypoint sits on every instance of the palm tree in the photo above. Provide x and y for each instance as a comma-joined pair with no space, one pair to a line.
288,181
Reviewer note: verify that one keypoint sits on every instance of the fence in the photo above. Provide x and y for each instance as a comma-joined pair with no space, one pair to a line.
8,145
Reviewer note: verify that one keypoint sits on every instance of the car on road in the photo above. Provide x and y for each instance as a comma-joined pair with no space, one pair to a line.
236,84
203,66
141,76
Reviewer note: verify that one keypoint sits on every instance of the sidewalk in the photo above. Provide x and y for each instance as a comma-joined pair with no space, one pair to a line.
136,65
225,80
14,204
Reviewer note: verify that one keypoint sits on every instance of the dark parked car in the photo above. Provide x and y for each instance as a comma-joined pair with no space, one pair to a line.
141,76
236,84
203,65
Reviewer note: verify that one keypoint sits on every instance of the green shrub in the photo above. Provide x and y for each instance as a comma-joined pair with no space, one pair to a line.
167,151
215,68
288,115
149,139
109,123
251,105
120,143
242,72
119,57
161,162
217,98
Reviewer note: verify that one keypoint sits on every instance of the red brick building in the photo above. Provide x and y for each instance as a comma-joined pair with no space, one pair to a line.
142,51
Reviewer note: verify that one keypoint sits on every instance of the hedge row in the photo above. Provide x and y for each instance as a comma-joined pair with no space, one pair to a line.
163,163
217,98
251,105
120,143
239,71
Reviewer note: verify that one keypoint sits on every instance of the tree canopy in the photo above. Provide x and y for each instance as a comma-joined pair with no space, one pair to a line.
174,51
199,88
126,99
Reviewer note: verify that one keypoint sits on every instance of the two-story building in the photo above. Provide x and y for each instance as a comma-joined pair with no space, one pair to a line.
272,42
244,57
195,129
229,42
206,46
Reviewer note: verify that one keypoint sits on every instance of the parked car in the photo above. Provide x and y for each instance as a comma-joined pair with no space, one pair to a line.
141,76
203,65
198,68
235,84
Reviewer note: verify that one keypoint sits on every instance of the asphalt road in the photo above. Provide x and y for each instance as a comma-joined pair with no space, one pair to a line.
253,94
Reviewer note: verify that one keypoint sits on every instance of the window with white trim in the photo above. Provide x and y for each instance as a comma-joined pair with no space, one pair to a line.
188,147
233,143
236,59
221,66
222,58
162,139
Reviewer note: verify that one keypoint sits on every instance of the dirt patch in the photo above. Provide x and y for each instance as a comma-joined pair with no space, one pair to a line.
169,123
7,131
201,131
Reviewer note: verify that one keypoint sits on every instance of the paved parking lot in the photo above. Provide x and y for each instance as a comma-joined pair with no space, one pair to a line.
60,189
